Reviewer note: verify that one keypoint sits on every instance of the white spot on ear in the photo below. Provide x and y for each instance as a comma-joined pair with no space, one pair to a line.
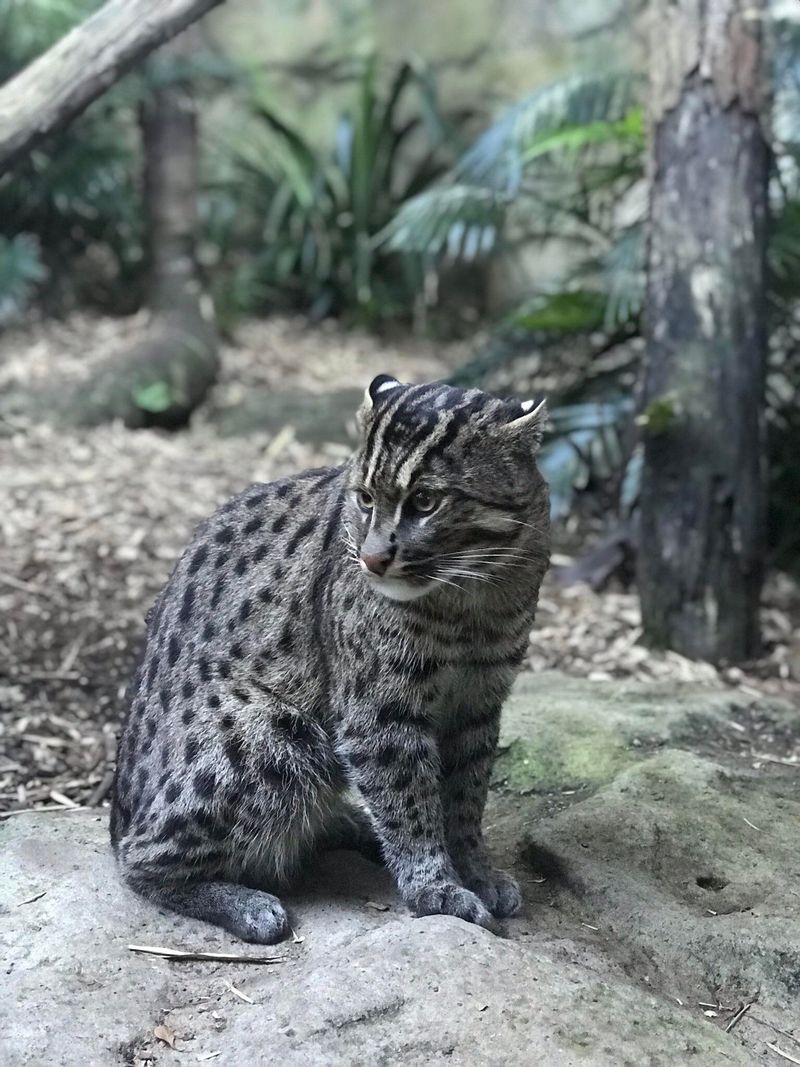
531,423
532,415
382,384
529,409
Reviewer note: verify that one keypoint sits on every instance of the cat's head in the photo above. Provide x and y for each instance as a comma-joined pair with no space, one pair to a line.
442,486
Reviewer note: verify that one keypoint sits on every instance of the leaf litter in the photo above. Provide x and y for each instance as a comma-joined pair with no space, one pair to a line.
91,521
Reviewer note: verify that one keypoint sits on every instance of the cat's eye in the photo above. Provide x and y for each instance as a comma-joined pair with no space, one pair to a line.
365,500
424,501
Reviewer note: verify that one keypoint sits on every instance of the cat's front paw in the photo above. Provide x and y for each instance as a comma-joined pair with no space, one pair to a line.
498,891
447,898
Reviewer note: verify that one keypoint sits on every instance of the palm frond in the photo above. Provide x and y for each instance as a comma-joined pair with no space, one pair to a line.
587,444
457,221
623,277
568,114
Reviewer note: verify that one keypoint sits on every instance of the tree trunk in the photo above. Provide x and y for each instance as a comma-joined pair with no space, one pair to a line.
703,495
84,64
164,378
168,123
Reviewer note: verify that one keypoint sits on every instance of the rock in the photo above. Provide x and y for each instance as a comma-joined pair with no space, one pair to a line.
608,965
315,418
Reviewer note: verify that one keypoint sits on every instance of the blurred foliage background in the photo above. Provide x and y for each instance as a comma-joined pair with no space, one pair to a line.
475,168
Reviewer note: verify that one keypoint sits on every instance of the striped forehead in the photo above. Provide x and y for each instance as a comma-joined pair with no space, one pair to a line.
422,420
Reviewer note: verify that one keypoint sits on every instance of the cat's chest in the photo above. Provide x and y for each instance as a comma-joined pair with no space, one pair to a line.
457,688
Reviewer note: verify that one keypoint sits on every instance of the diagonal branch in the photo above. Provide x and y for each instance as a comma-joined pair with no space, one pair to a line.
60,84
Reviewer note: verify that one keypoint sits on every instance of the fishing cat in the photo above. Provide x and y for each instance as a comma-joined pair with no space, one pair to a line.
353,628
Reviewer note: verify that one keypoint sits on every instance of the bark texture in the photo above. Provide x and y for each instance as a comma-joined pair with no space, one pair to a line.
703,496
84,64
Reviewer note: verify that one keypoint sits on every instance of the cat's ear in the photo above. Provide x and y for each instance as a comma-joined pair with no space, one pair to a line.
529,426
384,383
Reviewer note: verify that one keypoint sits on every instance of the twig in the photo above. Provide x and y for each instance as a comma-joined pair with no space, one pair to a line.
772,1026
48,742
30,900
744,1008
753,826
238,993
24,587
47,676
781,1052
776,759
68,662
64,801
778,1029
35,811
99,793
181,956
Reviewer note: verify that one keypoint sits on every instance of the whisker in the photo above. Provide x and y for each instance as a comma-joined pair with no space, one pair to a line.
444,581
519,522
472,574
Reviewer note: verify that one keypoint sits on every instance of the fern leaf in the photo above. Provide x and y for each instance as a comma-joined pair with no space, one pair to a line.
457,221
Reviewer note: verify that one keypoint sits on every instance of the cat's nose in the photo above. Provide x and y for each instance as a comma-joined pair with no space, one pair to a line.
376,563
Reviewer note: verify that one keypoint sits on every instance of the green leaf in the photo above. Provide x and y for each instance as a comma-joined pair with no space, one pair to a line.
154,396
574,138
580,311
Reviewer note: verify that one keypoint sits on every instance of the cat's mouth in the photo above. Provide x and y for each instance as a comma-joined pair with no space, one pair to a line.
400,585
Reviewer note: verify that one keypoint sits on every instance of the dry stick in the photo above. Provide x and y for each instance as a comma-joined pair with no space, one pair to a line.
101,791
68,662
744,1008
46,676
30,900
780,1052
238,993
219,957
24,587
775,759
777,1029
31,811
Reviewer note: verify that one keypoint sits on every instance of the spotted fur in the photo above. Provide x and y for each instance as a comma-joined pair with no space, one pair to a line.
283,673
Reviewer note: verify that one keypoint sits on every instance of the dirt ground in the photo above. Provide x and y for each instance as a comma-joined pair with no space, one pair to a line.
91,521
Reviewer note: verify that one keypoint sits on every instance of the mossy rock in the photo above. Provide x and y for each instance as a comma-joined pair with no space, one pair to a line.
562,733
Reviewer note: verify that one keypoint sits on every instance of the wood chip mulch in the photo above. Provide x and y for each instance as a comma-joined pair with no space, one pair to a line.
91,522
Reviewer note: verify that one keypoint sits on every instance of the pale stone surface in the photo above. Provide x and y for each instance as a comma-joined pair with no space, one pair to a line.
657,892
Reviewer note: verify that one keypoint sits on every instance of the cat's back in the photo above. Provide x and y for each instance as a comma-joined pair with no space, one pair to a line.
238,615
255,555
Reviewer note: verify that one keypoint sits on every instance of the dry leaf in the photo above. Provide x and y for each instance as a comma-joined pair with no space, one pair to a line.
165,1033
